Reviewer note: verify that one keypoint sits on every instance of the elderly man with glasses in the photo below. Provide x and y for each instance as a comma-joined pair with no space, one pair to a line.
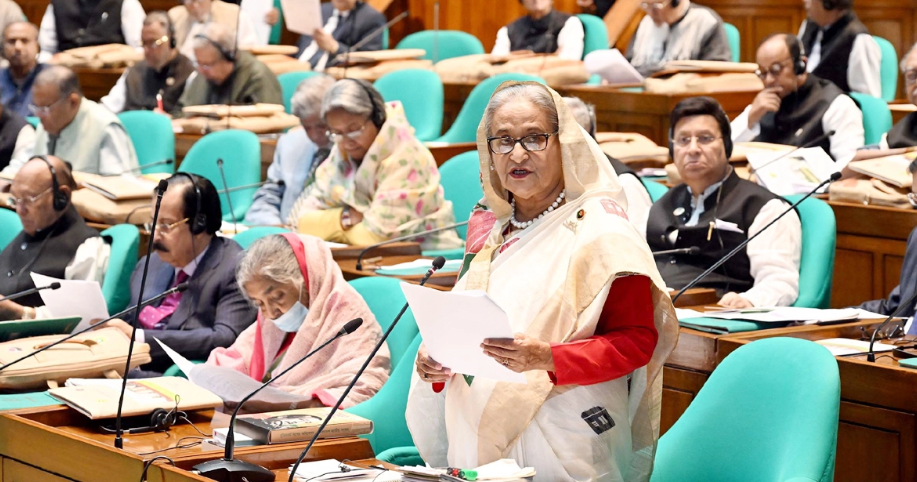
54,241
796,108
677,30
904,133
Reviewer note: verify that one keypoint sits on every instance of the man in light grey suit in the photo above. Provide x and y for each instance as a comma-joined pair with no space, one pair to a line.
212,311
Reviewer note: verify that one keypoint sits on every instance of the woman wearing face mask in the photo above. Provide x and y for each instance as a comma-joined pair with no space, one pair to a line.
303,300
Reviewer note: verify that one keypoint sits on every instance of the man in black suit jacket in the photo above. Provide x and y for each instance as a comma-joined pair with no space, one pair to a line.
348,21
212,311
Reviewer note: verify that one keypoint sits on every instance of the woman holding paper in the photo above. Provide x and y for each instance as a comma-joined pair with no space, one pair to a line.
302,301
593,320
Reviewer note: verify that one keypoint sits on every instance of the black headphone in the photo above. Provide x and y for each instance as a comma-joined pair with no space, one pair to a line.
171,30
198,222
60,199
377,116
230,56
161,420
797,52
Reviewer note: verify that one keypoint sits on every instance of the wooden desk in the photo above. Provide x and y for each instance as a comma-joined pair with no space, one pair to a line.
900,109
96,83
439,280
877,432
394,249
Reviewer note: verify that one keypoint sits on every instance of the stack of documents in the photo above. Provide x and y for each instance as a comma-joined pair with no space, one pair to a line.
846,346
796,173
331,469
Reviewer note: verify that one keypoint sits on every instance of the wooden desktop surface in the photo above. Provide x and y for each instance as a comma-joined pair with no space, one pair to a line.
96,83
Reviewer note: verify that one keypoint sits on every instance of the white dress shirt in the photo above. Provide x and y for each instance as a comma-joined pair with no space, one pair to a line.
88,264
132,16
570,41
843,117
330,26
863,67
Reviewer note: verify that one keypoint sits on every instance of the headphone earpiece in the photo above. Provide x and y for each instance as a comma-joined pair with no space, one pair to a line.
377,116
229,56
59,199
171,30
198,223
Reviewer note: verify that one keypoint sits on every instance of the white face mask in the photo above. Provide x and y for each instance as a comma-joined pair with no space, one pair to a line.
293,318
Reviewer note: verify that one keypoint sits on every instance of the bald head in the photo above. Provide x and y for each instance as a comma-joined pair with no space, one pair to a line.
777,57
36,167
33,190
61,77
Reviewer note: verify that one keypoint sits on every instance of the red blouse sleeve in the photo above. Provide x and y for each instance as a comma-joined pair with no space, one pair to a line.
624,341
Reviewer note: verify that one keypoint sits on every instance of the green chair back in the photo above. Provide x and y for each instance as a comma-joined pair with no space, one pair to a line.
735,40
385,300
888,69
768,412
10,226
404,456
250,235
465,127
116,287
421,93
385,39
656,189
877,118
446,44
33,120
816,268
277,29
461,181
153,138
386,408
241,154
596,33
289,81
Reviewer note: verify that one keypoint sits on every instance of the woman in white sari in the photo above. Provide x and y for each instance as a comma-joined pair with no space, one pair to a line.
593,321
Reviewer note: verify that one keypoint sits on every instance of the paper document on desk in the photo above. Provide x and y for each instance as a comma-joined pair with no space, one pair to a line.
302,16
612,67
846,346
797,173
455,323
73,298
785,314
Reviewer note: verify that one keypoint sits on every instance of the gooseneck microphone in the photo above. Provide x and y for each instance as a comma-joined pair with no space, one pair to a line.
871,354
232,212
693,250
160,190
177,289
791,151
438,263
15,296
834,177
404,238
152,164
229,470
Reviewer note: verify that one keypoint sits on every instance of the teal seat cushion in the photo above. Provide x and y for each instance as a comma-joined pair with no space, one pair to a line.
442,44
888,69
735,40
250,235
241,154
289,81
877,118
816,267
116,286
385,300
153,139
421,94
11,226
596,33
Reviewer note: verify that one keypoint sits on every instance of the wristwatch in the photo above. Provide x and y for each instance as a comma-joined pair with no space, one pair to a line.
346,219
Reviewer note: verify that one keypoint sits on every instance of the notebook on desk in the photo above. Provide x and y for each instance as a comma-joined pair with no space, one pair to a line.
12,330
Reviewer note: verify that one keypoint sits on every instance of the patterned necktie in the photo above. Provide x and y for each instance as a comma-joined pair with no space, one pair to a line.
152,316
320,155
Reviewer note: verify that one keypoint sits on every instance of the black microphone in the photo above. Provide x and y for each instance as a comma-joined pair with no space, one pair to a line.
229,470
249,186
177,289
404,238
232,213
438,263
152,164
53,286
160,190
692,250
834,177
871,354
787,153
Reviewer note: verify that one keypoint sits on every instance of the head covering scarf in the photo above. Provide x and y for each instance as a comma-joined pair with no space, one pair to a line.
332,303
552,279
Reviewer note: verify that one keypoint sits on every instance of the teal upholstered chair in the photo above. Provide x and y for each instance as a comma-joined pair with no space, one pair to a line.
421,94
465,127
153,139
385,300
769,412
445,44
735,40
116,287
819,235
460,178
250,235
241,155
403,455
277,29
877,119
888,69
656,189
33,120
289,81
596,33
10,226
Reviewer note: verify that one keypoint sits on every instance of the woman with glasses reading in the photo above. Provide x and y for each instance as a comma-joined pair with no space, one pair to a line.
379,181
593,322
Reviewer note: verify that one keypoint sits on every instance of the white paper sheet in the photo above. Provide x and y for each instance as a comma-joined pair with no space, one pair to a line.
797,173
302,16
183,363
453,326
73,298
845,346
611,66
786,313
256,10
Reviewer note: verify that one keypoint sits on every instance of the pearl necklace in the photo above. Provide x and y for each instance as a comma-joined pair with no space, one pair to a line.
552,207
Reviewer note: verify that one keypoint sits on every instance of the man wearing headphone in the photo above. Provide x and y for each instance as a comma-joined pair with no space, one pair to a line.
212,311
543,30
840,47
192,17
227,76
715,210
797,107
55,241
159,79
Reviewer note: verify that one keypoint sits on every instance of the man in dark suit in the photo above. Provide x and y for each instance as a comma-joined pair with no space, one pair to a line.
346,22
212,311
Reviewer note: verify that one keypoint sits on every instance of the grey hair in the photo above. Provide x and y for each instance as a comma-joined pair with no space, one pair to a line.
215,33
159,17
903,62
62,77
307,100
537,94
583,113
355,97
270,257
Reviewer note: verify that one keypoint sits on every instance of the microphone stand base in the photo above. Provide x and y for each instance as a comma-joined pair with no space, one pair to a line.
234,470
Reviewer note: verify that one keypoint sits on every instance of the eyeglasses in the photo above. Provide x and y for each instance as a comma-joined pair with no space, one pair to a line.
703,140
163,228
46,109
531,143
26,201
156,43
774,69
910,75
647,6
352,135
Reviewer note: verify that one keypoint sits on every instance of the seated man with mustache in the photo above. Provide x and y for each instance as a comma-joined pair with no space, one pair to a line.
212,311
